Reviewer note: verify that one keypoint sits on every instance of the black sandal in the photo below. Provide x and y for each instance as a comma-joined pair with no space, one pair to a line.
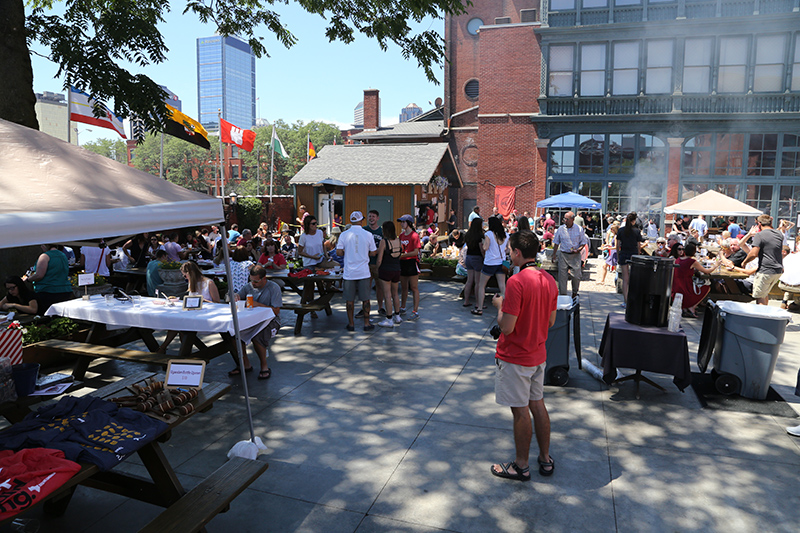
543,464
476,311
520,474
265,374
237,372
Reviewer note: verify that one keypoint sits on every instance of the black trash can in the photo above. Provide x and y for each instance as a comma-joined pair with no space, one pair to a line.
649,289
557,344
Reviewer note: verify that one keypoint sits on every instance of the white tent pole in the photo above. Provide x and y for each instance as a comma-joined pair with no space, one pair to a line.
221,170
161,158
237,337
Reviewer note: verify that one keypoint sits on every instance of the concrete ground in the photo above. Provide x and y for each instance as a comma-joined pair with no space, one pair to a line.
395,430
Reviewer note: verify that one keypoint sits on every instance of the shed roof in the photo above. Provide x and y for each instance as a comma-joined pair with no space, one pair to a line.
380,164
411,129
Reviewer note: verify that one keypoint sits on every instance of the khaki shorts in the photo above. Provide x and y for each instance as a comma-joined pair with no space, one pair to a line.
517,386
763,283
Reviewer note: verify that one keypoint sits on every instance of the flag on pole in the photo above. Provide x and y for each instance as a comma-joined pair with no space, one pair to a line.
312,153
81,110
229,133
277,145
186,128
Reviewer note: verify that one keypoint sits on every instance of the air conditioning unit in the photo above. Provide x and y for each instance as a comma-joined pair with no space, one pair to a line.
502,20
527,15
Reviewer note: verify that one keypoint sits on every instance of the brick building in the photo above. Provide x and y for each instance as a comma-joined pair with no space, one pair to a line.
637,104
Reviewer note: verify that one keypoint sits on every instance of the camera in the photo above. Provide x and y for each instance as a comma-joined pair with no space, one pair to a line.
495,332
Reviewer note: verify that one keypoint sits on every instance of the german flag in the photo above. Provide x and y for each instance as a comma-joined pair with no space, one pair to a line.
186,128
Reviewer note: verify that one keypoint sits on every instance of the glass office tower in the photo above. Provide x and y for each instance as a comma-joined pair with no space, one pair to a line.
226,80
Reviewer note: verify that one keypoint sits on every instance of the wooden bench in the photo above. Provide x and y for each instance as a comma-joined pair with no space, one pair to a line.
209,498
301,310
87,352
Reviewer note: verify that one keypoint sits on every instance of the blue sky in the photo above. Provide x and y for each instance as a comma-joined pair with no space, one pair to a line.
313,80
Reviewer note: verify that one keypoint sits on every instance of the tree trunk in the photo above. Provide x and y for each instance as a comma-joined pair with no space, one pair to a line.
18,104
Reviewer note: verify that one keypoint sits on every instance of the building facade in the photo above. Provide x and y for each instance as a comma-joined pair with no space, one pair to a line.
226,80
53,116
637,104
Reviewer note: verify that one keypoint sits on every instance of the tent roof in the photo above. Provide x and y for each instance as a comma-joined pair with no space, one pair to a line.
569,199
380,164
57,192
713,203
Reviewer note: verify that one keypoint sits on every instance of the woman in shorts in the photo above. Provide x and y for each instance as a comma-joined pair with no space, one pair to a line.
494,248
389,251
474,260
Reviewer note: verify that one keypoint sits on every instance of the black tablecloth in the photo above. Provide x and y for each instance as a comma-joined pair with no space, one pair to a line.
650,349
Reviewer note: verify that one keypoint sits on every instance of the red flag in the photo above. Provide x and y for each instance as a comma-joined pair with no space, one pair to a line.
504,197
229,133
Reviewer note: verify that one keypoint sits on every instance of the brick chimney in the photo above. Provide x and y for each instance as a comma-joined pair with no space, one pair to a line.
372,109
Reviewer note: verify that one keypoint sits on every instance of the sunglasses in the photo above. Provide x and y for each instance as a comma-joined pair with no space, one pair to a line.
680,249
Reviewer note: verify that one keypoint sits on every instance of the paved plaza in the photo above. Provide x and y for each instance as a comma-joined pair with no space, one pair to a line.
395,430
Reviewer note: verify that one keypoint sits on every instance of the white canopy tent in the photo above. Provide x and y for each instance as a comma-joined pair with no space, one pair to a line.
55,192
713,203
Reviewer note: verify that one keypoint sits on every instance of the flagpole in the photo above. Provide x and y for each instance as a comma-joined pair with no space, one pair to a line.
221,170
69,114
258,172
161,158
271,162
308,154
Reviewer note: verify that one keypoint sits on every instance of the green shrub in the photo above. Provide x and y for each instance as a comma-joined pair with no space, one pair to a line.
57,328
248,213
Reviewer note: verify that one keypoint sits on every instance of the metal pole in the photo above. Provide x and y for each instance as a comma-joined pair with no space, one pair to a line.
271,162
161,158
221,170
258,172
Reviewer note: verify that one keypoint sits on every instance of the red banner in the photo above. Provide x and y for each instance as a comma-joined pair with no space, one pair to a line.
504,199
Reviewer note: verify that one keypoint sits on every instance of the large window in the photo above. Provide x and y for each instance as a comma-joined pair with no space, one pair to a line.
697,66
626,68
796,65
561,66
591,154
732,64
760,197
593,69
621,153
762,155
562,155
770,53
658,77
728,159
619,199
697,155
790,159
562,5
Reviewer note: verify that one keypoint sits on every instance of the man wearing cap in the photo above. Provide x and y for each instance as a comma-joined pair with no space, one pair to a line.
569,239
356,245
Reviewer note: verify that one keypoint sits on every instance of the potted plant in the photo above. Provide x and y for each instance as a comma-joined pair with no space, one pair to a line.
170,272
100,286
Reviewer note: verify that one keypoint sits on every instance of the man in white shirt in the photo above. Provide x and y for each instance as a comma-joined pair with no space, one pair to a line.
356,245
569,240
700,225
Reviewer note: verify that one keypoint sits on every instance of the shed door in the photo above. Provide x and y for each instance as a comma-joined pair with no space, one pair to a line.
383,205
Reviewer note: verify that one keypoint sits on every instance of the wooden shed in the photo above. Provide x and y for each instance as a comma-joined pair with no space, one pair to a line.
391,178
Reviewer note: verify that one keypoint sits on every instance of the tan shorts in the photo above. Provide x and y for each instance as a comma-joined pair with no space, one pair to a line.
763,283
517,386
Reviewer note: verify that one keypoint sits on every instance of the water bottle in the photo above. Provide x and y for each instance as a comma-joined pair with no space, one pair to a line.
674,317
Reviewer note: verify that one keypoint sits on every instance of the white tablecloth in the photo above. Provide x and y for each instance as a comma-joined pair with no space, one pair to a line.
212,318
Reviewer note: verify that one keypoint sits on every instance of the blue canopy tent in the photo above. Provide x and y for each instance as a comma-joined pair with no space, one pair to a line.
571,199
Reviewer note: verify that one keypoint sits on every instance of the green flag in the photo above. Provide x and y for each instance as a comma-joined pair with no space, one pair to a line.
277,145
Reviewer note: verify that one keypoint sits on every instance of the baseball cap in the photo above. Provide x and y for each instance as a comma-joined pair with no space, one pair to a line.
356,216
406,218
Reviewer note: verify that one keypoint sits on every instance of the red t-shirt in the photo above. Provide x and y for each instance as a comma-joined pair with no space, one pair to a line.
278,261
409,243
531,296
548,223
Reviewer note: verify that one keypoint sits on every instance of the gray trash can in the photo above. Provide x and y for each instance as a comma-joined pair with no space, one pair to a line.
557,344
751,339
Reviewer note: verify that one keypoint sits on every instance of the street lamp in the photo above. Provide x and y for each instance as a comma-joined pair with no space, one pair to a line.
77,139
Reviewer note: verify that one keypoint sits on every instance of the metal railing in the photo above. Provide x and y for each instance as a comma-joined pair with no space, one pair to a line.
650,104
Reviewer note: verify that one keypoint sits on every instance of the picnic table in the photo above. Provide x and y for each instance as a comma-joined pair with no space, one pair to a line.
163,487
311,301
153,314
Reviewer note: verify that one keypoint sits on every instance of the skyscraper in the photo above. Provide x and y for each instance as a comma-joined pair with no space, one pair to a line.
410,111
226,80
358,115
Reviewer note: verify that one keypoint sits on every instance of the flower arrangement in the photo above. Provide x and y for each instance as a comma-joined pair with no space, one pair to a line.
170,265
98,279
14,325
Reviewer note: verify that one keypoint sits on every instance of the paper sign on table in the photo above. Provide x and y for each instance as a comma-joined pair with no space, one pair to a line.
185,373
85,279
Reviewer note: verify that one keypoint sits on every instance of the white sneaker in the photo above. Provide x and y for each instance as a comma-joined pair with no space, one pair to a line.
794,431
397,319
387,323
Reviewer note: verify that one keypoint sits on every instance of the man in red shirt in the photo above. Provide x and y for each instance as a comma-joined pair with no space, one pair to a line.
525,316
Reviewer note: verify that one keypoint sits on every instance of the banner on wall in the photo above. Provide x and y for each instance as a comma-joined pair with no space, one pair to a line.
504,199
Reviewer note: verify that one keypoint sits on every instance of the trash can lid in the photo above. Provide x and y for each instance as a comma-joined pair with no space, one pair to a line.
564,303
753,310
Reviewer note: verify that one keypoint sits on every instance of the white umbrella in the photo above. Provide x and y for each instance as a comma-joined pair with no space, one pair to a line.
713,203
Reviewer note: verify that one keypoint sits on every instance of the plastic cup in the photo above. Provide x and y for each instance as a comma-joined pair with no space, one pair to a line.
109,299
240,305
